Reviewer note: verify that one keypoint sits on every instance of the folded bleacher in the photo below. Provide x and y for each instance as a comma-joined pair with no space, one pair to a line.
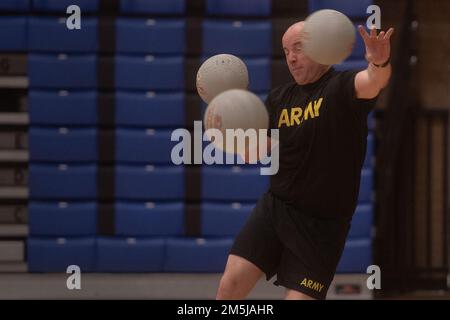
103,102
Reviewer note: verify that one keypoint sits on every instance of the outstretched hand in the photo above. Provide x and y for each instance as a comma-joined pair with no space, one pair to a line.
378,47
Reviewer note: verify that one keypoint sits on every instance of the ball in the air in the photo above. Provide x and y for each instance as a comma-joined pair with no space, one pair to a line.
329,36
220,73
235,109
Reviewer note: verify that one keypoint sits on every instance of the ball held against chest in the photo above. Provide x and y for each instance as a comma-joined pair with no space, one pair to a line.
235,109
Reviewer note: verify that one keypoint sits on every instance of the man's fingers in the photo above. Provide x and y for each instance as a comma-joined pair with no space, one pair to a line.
363,32
373,32
389,34
381,35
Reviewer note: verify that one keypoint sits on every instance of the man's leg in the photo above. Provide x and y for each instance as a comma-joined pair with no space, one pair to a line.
239,278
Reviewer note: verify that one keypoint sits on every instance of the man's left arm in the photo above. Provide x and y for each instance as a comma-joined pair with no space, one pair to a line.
369,82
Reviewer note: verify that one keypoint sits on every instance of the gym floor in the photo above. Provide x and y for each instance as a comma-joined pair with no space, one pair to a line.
164,286
122,286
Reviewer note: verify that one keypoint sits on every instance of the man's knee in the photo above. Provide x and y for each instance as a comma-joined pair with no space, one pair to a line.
238,279
228,287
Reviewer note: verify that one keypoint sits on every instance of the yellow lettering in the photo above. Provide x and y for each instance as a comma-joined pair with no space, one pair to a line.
303,282
310,282
296,113
315,286
320,287
317,104
309,112
284,118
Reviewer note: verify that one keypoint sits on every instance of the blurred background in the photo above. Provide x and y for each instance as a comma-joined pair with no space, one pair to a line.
85,172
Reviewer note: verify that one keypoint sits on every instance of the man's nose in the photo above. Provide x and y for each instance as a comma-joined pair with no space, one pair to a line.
292,58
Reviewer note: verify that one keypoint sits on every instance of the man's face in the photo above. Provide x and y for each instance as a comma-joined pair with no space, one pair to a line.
301,67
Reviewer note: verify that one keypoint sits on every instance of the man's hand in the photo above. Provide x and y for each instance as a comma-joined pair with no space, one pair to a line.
378,47
369,82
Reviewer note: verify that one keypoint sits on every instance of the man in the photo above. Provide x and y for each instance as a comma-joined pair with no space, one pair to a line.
297,230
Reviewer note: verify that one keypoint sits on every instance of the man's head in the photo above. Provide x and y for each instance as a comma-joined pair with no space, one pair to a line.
303,69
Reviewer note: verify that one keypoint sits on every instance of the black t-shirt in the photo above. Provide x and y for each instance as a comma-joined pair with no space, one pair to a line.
323,133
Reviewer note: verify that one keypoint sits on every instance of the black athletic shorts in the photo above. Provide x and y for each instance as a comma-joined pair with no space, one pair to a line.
301,250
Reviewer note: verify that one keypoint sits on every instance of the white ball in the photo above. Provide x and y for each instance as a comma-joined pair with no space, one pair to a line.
235,109
220,73
329,36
